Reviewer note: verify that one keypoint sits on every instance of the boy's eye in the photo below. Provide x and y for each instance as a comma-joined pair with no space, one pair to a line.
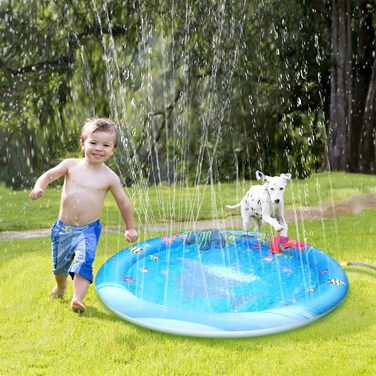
92,142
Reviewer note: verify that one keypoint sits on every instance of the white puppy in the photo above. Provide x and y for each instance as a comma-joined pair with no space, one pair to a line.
265,203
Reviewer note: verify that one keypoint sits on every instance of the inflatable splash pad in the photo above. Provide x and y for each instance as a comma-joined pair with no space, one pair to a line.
221,284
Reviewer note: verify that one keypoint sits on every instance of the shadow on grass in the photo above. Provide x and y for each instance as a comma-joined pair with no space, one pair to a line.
93,312
349,319
361,271
337,324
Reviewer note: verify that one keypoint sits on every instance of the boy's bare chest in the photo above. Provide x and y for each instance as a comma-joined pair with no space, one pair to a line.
86,181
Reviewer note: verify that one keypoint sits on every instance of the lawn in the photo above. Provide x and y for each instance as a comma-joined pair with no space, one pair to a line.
40,336
180,203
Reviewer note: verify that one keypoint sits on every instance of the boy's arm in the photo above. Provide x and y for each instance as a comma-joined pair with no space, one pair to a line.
125,208
48,177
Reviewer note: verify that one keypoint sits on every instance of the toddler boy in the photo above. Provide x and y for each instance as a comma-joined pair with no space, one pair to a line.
76,233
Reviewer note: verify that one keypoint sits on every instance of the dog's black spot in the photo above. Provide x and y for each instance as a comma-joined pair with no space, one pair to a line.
259,202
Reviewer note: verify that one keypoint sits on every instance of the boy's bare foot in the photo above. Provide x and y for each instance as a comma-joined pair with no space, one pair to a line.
57,293
77,306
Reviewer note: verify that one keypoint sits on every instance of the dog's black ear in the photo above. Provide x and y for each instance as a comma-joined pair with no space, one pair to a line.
261,176
287,176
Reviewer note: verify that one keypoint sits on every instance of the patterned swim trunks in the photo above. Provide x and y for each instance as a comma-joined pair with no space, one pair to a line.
74,248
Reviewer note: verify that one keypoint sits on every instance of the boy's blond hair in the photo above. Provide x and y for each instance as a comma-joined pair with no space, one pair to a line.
95,124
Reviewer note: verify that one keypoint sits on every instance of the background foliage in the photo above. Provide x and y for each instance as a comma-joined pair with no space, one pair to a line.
202,91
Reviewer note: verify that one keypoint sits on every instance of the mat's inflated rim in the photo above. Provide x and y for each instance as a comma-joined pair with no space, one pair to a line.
200,324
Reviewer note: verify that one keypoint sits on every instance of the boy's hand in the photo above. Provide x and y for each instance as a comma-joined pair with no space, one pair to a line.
131,235
36,193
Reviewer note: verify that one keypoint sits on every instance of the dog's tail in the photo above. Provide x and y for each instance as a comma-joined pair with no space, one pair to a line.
233,206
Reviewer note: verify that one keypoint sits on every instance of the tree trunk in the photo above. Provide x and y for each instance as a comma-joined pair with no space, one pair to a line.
368,136
339,132
365,42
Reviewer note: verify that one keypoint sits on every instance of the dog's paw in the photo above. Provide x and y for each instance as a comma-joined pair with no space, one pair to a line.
278,228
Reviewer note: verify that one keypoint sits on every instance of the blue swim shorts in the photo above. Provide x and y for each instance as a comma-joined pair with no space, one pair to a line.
73,248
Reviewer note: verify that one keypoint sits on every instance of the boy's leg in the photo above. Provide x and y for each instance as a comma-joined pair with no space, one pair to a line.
80,287
61,285
82,266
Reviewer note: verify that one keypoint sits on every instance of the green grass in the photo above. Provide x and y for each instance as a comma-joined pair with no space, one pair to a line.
164,203
40,336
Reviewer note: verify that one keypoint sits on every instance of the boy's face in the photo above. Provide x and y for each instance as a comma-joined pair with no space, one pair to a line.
98,146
